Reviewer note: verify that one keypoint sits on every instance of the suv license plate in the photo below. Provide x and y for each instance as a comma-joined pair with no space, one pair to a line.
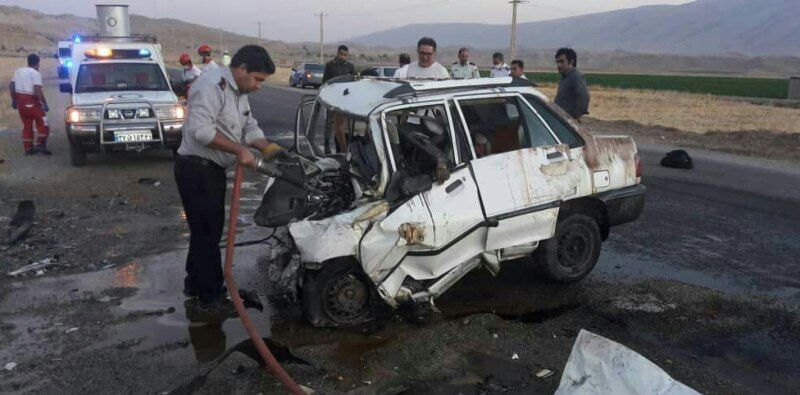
133,136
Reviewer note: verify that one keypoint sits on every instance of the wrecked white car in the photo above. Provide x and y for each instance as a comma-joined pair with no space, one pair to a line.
397,189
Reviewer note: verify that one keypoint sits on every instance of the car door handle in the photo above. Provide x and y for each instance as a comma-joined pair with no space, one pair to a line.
452,187
555,155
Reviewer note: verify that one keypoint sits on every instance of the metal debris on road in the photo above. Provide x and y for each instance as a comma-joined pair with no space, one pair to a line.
515,356
678,159
597,364
34,267
20,224
149,181
10,366
70,330
544,373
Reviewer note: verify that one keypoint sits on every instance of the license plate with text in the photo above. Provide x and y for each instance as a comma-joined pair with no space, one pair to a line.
133,136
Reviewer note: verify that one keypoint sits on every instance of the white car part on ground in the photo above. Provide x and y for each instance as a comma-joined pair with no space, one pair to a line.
601,366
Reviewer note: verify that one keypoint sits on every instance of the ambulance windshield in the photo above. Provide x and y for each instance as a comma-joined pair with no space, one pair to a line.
106,77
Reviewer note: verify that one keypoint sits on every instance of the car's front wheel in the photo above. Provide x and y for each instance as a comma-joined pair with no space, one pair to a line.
572,252
339,294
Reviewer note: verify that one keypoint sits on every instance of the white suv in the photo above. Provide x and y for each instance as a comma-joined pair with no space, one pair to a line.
433,179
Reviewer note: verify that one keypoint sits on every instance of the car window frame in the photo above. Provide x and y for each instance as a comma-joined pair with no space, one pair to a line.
431,103
519,96
558,116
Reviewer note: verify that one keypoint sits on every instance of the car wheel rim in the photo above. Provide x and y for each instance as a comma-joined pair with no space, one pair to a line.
346,299
574,249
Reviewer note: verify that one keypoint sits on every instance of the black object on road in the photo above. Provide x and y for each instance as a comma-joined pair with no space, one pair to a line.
678,159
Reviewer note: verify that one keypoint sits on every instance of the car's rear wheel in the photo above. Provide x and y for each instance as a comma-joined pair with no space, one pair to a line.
77,157
337,295
573,251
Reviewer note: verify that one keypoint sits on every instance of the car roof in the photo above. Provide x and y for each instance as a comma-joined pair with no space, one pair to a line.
361,97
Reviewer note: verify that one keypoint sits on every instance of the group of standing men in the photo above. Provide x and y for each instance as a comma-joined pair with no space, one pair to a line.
190,71
572,96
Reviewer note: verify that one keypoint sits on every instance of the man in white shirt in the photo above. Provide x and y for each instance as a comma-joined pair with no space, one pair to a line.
190,71
27,97
206,62
426,67
500,68
403,61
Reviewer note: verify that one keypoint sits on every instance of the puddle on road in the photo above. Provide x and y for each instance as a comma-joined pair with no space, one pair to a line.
154,315
634,267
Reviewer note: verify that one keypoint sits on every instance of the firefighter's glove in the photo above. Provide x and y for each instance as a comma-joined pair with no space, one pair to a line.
442,173
271,151
45,107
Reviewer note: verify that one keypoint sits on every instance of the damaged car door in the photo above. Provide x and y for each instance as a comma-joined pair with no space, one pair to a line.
517,166
431,232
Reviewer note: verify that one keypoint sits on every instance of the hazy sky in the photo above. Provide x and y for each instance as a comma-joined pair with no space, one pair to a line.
294,20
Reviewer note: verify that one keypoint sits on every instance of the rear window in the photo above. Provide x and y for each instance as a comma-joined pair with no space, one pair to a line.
314,67
64,52
106,77
389,71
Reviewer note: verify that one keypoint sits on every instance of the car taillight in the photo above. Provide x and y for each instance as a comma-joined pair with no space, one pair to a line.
638,162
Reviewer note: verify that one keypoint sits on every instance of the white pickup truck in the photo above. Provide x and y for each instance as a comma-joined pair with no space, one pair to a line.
434,179
121,98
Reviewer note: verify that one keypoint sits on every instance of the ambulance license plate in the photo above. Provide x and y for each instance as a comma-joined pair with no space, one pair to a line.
133,136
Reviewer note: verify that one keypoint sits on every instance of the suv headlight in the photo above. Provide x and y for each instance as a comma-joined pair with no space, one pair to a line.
77,115
171,112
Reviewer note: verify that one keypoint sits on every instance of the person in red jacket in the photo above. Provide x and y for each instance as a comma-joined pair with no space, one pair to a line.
27,97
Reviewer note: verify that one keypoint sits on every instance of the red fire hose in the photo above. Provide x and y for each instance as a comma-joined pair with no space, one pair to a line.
271,363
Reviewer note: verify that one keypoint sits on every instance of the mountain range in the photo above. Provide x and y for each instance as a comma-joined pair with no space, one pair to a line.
749,27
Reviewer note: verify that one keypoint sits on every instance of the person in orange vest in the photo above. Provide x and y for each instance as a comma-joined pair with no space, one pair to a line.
27,97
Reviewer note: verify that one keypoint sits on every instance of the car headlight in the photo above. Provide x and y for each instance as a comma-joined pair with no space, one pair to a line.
171,112
76,115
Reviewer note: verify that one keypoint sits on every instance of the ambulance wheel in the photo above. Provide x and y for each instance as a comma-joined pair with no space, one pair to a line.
291,82
572,252
77,157
338,295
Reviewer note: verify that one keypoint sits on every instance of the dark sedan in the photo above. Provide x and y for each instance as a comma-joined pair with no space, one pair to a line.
308,74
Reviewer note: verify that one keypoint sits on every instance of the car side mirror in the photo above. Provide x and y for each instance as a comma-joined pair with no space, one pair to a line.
295,70
65,87
411,186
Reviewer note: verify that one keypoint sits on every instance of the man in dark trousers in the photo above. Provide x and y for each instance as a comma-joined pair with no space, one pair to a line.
573,94
220,131
339,65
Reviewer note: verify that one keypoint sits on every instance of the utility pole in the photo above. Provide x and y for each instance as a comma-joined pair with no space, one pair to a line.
259,34
321,16
513,47
221,40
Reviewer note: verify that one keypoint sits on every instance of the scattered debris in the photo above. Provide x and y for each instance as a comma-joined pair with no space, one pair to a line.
597,364
366,382
647,303
104,299
149,181
515,356
34,267
544,373
307,390
10,366
70,330
495,336
339,378
678,159
20,224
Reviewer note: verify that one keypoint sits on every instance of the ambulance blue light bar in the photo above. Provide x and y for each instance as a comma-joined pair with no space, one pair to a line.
110,53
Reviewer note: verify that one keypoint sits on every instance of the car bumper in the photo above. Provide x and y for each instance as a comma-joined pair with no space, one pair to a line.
624,205
315,81
87,136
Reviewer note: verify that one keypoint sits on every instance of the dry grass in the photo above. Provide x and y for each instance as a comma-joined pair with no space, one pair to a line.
281,77
686,111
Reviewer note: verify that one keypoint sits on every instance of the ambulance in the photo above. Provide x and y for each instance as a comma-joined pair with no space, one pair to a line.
120,95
